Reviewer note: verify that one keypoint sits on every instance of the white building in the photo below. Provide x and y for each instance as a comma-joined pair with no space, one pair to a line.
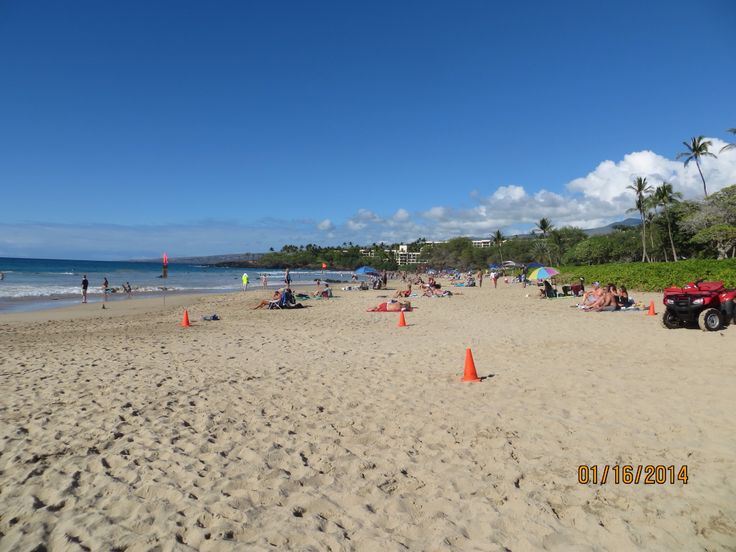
402,255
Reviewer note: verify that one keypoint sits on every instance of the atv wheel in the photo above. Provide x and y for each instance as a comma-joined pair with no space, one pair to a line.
710,320
670,320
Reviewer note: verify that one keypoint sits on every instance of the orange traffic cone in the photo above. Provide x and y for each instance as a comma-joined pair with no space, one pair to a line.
402,320
185,320
651,309
470,373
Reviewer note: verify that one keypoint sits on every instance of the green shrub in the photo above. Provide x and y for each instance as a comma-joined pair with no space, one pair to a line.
653,276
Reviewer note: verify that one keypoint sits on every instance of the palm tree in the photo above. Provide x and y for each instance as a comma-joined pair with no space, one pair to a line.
696,149
498,238
664,196
556,244
729,146
544,226
649,216
641,188
541,250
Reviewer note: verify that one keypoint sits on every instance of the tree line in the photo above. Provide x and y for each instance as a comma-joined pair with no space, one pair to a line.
670,229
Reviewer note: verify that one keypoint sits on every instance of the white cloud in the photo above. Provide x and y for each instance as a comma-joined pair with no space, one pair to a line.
326,225
607,183
592,200
401,215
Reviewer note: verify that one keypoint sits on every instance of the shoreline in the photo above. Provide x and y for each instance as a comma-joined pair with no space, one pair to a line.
123,306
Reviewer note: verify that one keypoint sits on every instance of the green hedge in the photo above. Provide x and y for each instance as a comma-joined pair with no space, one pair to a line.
653,276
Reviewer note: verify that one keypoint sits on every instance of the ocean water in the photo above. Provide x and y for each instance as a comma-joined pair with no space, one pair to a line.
30,284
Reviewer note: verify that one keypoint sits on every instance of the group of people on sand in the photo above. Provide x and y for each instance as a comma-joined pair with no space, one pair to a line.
608,298
429,289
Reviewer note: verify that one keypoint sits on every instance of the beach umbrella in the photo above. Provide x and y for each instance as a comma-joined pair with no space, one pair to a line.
494,266
534,264
543,272
366,270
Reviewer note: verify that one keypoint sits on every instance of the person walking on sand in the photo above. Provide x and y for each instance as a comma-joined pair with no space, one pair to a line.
85,285
479,277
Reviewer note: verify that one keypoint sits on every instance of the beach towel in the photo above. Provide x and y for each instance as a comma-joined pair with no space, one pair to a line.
383,307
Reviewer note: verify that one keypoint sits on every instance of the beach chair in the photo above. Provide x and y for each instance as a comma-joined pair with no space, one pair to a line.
280,303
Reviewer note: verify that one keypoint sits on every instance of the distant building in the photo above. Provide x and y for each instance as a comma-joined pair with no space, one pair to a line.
402,255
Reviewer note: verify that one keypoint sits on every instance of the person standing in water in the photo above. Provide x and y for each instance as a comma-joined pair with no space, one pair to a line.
264,280
245,281
287,278
85,285
105,287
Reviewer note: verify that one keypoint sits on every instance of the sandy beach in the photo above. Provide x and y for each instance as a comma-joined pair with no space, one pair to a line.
330,428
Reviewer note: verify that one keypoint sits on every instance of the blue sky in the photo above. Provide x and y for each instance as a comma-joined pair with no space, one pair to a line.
201,128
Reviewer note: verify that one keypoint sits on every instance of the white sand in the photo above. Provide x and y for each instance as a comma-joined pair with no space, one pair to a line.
332,428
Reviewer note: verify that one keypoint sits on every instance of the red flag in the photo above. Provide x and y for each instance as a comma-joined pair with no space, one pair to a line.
324,265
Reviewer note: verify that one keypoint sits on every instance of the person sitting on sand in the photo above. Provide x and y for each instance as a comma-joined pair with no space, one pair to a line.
264,302
623,297
326,292
547,291
590,297
405,293
607,302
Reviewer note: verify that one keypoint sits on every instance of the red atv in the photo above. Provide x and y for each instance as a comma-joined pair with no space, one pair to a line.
708,304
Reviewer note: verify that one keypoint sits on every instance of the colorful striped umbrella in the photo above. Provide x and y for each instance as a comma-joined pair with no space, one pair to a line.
543,272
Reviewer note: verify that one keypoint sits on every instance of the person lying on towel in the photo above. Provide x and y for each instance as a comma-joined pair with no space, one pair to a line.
392,306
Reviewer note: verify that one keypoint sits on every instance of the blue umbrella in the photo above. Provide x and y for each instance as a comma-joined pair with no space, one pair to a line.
493,266
366,270
534,264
